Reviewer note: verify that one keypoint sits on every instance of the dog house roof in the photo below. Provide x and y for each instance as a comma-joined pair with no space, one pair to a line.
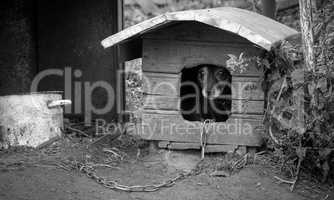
254,27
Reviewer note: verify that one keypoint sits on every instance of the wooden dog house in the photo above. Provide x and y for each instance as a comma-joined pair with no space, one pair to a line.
171,42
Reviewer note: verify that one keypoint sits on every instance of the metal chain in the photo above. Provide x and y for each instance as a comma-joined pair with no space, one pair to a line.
90,172
204,135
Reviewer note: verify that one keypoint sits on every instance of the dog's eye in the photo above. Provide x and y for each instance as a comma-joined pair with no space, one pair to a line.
219,75
201,73
220,72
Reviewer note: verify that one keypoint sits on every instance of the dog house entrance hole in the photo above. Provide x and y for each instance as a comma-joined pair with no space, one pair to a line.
206,93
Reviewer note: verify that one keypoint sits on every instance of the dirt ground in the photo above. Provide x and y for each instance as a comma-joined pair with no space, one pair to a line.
27,174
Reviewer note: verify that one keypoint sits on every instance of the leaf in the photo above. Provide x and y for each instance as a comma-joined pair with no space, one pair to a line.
301,152
232,57
275,87
282,105
311,86
266,63
241,56
322,85
297,77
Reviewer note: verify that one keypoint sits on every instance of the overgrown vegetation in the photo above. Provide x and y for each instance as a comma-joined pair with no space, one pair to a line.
300,112
134,82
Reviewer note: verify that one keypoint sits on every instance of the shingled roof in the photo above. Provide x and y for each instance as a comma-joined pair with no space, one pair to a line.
256,28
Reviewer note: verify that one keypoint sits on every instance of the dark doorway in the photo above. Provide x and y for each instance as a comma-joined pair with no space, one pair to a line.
206,93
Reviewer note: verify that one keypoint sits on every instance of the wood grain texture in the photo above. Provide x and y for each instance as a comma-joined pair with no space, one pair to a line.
211,148
168,56
172,127
169,85
158,102
161,84
139,113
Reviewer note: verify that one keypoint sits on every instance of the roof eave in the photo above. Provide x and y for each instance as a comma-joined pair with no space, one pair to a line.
201,16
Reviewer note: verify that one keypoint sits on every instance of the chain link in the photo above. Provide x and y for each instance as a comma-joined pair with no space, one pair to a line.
204,135
110,184
90,173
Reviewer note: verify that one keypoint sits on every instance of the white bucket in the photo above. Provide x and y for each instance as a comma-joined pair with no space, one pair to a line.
30,119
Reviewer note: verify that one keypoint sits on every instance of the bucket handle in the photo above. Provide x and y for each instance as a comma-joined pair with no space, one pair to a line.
56,103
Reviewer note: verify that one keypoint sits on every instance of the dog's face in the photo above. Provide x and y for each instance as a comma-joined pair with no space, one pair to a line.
213,80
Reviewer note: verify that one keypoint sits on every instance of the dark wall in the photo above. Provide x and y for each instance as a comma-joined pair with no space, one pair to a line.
69,35
17,52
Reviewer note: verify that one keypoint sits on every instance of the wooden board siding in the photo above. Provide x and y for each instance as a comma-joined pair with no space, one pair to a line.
169,84
157,102
168,56
166,53
170,126
161,83
162,92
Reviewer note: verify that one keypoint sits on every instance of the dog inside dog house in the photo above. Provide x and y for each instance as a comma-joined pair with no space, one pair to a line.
191,76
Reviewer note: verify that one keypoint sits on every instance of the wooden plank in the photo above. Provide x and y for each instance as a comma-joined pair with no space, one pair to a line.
261,31
161,83
196,31
172,127
169,84
211,148
178,145
172,56
138,114
247,88
163,144
247,106
158,102
214,148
